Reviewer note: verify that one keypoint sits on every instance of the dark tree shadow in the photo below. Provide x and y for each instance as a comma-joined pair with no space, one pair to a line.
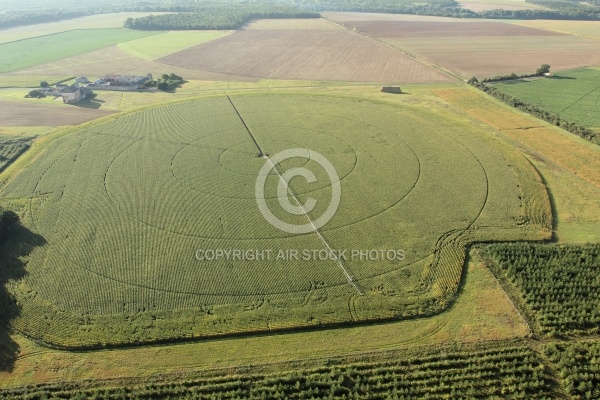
17,243
561,77
515,82
91,102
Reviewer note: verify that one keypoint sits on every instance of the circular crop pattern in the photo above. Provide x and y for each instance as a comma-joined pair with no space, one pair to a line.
155,211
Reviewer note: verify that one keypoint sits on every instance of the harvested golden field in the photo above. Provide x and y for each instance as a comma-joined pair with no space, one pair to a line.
490,56
304,54
562,148
110,60
25,114
292,23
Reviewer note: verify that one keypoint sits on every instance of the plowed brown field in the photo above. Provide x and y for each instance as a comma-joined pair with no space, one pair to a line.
490,56
26,114
481,48
304,54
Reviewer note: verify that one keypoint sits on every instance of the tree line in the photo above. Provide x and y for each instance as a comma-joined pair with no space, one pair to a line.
17,14
450,8
216,17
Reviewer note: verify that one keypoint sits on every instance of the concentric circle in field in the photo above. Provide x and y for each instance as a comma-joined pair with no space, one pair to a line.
221,167
129,207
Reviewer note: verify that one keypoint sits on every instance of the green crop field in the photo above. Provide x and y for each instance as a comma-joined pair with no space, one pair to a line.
120,208
156,46
573,95
29,52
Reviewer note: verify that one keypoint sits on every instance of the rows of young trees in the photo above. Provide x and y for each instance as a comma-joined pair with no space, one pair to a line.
578,365
560,284
533,109
512,371
11,149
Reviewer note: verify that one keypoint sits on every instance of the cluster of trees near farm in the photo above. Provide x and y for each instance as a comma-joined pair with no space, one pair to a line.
217,17
166,82
543,69
533,109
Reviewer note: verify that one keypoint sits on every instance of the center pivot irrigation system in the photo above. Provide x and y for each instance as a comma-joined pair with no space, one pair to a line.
291,192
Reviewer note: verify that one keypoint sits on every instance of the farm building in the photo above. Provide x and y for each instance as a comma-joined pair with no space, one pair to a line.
121,82
74,94
82,79
391,89
130,81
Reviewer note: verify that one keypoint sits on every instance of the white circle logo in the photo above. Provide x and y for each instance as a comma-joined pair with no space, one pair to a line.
283,189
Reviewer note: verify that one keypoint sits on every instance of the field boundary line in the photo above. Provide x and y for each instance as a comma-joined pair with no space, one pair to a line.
405,52
291,192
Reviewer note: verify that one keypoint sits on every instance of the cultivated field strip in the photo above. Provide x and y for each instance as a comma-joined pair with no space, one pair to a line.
304,54
562,149
572,95
485,56
111,60
27,114
461,29
29,52
511,371
124,205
